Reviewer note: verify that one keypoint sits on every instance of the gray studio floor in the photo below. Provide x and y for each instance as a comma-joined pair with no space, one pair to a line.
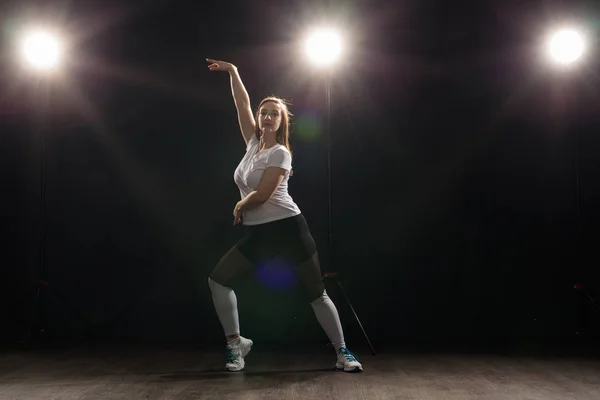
178,374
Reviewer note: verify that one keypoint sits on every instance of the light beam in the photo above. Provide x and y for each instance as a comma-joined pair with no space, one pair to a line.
566,46
324,47
42,50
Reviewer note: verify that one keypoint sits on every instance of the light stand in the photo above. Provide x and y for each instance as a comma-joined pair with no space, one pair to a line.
566,47
36,324
42,51
37,327
40,133
333,274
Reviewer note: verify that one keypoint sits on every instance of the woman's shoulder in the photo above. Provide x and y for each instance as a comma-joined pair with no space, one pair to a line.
281,147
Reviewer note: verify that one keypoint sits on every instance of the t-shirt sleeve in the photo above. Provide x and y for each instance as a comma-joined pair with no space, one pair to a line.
280,158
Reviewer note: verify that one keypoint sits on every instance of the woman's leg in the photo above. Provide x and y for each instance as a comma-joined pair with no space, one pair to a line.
231,265
326,313
324,309
225,303
309,272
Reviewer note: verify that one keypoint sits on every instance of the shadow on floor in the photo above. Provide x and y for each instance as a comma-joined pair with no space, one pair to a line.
221,374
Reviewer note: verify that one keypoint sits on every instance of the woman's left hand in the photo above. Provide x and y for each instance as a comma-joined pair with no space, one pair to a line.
237,213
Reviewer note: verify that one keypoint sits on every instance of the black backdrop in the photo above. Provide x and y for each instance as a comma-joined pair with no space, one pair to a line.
455,157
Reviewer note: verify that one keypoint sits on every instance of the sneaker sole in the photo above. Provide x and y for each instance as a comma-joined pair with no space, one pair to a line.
355,369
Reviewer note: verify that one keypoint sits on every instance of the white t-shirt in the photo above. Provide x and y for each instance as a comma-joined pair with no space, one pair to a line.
248,174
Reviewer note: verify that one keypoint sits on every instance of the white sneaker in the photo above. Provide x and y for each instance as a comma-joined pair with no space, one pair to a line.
236,351
347,361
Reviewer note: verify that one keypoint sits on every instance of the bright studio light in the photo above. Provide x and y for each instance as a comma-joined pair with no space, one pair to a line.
42,50
324,46
566,46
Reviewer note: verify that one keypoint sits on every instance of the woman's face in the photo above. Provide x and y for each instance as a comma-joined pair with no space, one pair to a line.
269,117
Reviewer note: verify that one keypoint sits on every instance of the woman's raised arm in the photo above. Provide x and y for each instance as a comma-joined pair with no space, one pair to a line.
240,97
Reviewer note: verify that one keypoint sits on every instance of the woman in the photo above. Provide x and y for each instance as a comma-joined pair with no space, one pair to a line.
276,227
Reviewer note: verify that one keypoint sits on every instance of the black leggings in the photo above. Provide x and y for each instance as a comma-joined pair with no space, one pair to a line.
286,242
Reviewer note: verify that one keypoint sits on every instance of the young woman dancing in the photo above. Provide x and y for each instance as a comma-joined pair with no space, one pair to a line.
276,228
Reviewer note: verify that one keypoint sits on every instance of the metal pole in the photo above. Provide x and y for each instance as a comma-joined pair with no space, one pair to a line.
333,273
329,194
40,129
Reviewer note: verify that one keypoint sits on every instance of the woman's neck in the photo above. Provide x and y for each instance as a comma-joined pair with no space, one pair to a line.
268,142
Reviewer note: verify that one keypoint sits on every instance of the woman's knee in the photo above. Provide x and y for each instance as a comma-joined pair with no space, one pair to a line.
321,299
315,292
230,266
213,284
310,276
